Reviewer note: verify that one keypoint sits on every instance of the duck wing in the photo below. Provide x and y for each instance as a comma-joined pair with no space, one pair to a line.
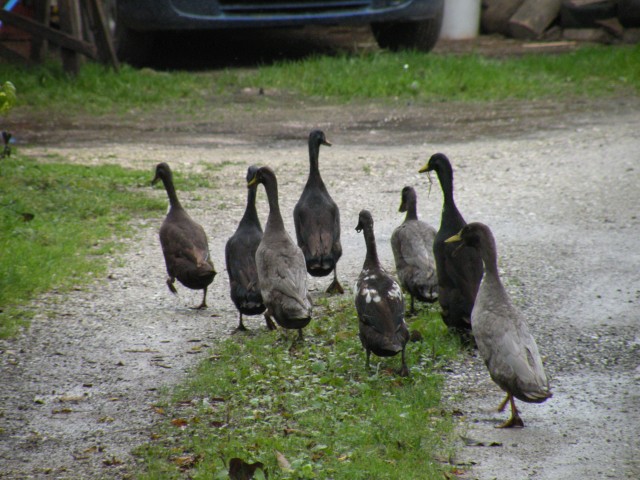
282,270
380,307
317,225
412,245
508,349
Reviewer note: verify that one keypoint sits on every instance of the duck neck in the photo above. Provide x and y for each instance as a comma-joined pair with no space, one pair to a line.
314,169
450,213
412,211
275,218
250,213
490,261
171,192
371,260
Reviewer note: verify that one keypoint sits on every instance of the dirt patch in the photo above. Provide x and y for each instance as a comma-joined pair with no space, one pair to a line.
558,184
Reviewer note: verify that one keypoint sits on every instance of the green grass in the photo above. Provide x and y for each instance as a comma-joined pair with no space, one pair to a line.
588,71
315,404
57,222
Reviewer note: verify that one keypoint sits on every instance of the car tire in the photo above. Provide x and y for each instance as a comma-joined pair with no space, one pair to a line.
421,36
131,46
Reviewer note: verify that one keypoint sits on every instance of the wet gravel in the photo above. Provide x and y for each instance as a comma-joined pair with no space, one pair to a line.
558,184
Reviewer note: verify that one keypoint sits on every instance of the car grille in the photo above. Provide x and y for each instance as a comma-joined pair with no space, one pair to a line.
293,7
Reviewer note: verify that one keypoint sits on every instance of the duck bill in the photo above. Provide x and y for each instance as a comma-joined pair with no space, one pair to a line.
155,180
425,168
327,143
454,238
252,182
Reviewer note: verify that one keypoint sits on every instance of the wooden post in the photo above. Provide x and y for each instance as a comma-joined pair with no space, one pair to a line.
70,23
101,33
42,14
68,38
533,17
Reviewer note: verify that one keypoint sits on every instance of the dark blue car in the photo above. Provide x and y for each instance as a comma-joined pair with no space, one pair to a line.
396,24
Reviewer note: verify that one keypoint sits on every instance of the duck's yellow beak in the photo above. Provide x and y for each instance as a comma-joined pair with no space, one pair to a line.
425,168
252,182
454,238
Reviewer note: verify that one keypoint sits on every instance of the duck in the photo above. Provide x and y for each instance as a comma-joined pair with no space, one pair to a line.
458,277
412,246
379,303
184,243
317,220
280,263
239,254
502,336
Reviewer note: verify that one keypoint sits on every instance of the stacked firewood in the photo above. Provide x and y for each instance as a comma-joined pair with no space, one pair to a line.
606,21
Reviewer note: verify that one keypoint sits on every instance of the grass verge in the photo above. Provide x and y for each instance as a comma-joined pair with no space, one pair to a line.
586,72
311,411
57,222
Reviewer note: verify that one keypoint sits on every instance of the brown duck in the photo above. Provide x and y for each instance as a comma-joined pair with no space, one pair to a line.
184,243
240,258
379,303
280,264
317,220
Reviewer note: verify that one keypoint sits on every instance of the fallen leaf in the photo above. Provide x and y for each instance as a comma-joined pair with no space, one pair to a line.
186,461
71,399
241,470
179,422
112,461
470,442
283,463
159,410
61,410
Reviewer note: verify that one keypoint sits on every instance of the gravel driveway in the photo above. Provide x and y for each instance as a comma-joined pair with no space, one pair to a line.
559,184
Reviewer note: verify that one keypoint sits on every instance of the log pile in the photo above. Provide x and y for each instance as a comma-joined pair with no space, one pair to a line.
604,21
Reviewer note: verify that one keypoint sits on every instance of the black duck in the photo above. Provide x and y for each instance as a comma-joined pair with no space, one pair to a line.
379,303
317,220
280,262
458,277
412,245
504,342
184,243
240,258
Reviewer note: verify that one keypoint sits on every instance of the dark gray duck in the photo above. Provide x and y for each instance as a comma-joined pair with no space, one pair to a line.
505,344
412,246
458,277
280,263
379,303
317,220
240,258
184,243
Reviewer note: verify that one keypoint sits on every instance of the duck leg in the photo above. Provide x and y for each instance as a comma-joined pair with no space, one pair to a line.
404,371
368,356
514,421
503,403
270,324
413,309
335,287
203,305
240,327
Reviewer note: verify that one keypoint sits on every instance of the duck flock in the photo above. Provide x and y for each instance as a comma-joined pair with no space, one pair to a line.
455,266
